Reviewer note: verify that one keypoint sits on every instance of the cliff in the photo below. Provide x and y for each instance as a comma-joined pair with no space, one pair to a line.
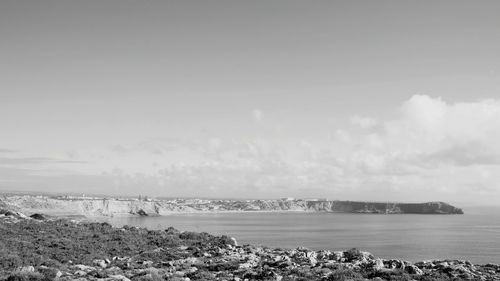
117,207
384,208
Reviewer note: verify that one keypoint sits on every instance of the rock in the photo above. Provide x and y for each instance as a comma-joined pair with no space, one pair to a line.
82,267
235,243
27,269
13,214
39,217
49,273
100,263
172,231
413,269
378,265
142,213
117,277
80,273
313,261
338,256
394,264
113,270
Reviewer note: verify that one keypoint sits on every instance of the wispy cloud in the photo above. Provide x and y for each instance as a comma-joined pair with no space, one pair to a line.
364,122
257,115
35,160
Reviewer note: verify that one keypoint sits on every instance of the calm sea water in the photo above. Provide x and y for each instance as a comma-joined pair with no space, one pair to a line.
474,236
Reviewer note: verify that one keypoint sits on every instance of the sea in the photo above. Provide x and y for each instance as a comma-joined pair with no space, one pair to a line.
474,236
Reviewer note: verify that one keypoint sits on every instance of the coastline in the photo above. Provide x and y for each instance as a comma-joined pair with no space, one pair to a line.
62,249
123,207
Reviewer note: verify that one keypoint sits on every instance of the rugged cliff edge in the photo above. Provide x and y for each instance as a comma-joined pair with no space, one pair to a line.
112,207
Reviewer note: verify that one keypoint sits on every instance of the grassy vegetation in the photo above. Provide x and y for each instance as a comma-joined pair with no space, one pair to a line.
43,250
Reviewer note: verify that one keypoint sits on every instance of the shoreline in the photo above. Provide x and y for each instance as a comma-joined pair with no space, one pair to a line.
121,207
64,249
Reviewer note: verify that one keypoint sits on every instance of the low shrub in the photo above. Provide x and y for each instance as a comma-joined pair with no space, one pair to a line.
345,275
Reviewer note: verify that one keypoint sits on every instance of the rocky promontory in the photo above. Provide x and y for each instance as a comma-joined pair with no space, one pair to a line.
127,206
37,248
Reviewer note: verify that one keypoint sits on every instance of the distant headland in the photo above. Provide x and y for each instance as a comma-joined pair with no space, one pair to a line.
100,206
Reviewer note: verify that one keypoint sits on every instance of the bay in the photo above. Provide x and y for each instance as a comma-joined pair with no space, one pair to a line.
474,236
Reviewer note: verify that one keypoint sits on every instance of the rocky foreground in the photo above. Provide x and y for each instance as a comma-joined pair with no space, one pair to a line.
37,248
127,206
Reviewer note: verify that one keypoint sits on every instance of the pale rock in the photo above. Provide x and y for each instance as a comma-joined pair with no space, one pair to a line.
313,261
80,273
27,269
101,263
234,241
118,277
82,267
245,265
338,256
378,265
180,273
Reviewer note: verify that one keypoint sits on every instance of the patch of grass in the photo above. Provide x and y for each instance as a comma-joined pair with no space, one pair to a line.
345,275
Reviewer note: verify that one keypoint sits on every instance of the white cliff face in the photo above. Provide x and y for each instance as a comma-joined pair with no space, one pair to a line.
88,207
123,207
93,207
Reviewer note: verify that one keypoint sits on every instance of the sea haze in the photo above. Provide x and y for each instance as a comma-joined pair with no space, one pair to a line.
472,236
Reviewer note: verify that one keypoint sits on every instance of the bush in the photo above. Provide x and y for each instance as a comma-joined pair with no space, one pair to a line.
394,275
9,261
353,254
26,276
345,275
434,276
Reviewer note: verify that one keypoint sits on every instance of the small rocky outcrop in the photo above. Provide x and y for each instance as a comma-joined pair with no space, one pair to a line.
37,216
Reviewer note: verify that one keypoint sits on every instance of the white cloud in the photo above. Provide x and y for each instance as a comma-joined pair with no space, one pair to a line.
430,125
431,149
257,115
364,122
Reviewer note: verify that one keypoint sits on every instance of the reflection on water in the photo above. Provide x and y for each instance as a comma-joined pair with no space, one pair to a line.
473,237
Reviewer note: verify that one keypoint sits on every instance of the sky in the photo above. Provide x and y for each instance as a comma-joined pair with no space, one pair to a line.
353,100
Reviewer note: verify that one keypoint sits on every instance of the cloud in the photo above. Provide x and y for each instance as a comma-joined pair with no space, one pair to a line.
364,122
431,126
34,160
430,149
257,115
465,155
